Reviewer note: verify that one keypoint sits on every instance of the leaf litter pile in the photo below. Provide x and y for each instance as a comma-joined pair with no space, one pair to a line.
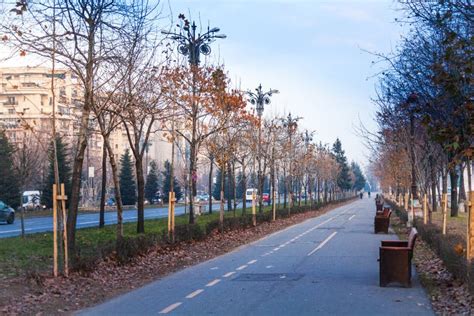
41,294
448,295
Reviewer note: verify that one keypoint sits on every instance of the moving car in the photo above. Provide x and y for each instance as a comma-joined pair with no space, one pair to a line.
7,213
31,200
266,197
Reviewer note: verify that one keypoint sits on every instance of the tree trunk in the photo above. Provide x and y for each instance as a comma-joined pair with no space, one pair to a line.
234,187
462,189
192,180
469,175
434,181
140,195
103,187
285,188
77,180
221,211
118,196
211,167
229,187
453,177
272,180
244,189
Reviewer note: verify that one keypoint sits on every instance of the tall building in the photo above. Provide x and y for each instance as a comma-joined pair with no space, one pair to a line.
26,103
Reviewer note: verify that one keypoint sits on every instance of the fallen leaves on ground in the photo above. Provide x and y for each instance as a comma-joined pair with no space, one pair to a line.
448,295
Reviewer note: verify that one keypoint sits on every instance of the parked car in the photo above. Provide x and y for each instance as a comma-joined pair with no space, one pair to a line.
110,202
266,197
248,194
203,197
7,213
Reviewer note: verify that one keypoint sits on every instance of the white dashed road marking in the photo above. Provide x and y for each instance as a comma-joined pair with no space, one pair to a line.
195,293
252,261
212,283
228,274
321,245
170,308
352,217
242,267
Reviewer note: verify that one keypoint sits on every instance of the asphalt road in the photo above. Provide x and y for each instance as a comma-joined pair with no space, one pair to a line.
45,224
325,266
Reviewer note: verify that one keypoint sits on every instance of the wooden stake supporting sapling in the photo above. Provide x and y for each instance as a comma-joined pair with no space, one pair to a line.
254,211
470,230
445,212
425,209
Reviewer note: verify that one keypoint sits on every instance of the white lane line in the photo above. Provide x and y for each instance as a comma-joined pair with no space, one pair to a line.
269,267
320,224
195,293
170,308
214,268
228,274
321,245
252,261
212,283
275,249
242,267
352,217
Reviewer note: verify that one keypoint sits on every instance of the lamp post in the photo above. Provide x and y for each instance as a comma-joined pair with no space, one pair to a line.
291,124
193,44
411,104
260,99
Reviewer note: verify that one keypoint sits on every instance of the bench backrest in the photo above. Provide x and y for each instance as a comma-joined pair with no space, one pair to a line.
412,238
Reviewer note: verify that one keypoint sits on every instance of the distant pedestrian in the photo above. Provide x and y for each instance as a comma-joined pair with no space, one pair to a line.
361,195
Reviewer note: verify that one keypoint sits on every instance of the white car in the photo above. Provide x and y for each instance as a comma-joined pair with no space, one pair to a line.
31,200
248,194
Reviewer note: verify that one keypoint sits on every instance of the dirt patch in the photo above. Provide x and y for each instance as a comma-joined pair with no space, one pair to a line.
39,294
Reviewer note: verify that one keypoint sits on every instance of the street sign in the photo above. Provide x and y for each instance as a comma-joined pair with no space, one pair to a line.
91,172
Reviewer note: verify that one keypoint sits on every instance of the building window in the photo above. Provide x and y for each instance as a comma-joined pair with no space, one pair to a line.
11,101
11,111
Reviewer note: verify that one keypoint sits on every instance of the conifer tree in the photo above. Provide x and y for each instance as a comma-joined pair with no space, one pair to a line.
344,179
64,168
152,184
127,180
9,186
167,184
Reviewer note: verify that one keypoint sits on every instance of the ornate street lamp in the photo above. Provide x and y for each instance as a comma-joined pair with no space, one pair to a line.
191,44
291,124
260,99
307,137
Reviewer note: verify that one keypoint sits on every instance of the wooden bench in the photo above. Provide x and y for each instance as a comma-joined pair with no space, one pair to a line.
378,206
395,260
382,220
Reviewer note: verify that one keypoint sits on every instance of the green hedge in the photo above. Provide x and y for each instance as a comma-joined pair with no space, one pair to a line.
442,245
132,246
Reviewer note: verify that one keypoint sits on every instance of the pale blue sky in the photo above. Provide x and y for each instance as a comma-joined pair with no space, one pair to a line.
309,50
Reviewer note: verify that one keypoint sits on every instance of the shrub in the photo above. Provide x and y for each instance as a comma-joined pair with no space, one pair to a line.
444,246
186,232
